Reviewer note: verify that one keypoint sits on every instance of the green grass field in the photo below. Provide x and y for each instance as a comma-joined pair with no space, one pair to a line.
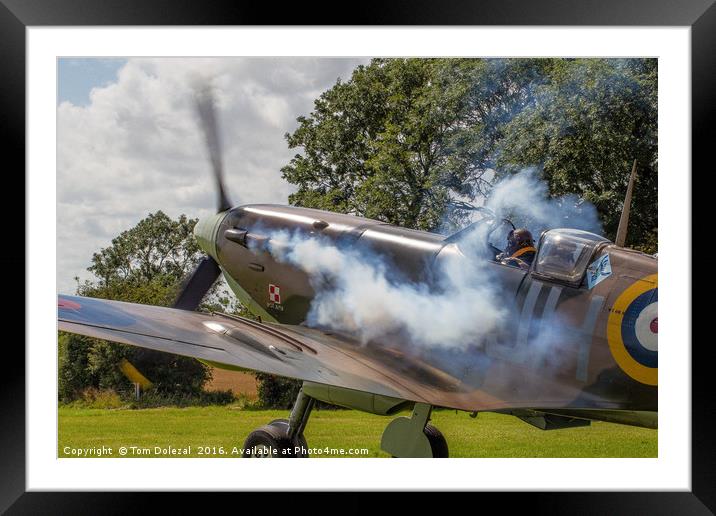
206,429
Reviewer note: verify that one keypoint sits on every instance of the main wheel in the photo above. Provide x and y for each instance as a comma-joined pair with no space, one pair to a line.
283,423
272,441
438,444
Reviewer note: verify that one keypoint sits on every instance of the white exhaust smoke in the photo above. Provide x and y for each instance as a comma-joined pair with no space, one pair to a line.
357,292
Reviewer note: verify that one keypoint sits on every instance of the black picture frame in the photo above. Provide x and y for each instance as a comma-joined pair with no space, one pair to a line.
17,15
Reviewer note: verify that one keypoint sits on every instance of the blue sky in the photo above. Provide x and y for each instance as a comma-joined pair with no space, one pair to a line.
77,76
129,142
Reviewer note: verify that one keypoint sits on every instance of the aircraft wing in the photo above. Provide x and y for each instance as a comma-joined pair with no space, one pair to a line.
443,378
288,351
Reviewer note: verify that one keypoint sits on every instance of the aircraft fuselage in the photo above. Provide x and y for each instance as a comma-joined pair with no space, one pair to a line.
599,358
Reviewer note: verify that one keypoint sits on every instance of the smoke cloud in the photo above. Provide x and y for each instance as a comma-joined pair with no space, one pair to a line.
524,198
356,292
360,293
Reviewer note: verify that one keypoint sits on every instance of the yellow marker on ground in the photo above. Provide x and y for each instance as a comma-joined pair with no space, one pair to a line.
133,374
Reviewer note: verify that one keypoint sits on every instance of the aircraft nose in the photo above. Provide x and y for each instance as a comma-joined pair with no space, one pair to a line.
206,230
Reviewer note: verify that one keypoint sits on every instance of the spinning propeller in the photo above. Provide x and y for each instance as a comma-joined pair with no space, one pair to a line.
207,271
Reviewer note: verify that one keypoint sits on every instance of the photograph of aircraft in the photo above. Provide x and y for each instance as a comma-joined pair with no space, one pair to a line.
577,340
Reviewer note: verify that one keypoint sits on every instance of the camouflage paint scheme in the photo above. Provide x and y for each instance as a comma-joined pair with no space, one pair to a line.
603,366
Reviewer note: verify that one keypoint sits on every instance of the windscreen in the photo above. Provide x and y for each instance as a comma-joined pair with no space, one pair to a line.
564,254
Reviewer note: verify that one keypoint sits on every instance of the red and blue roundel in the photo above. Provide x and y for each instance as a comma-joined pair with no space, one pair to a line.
632,330
93,311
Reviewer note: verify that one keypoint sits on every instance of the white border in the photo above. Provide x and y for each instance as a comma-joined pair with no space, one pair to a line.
670,471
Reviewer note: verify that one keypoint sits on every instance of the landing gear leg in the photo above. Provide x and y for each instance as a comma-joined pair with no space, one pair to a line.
282,438
413,436
300,413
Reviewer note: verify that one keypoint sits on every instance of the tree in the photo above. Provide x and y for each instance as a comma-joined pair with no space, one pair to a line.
144,264
583,127
147,263
276,392
411,141
74,373
383,146
406,141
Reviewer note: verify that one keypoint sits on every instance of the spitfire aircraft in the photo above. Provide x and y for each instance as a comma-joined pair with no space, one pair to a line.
602,295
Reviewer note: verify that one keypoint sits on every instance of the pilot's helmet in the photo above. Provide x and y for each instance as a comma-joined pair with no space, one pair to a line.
517,239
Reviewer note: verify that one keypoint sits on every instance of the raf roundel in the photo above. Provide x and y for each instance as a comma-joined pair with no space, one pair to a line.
86,309
632,330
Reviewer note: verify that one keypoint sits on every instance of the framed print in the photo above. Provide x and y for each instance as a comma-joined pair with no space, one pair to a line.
234,114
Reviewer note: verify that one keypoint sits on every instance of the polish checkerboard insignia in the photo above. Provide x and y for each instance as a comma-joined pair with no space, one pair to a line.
274,294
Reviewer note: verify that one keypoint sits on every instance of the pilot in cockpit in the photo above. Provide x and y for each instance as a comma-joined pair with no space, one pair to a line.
520,250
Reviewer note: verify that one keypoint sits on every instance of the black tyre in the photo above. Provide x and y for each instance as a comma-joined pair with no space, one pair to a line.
284,423
272,441
438,444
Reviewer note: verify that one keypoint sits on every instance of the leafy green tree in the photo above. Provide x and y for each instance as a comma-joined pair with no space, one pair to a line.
74,373
144,264
584,126
412,141
382,145
406,141
275,391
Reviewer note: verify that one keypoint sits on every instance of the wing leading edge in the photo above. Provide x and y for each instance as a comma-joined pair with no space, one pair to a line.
465,380
228,340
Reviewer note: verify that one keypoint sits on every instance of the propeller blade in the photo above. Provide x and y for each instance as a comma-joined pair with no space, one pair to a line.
198,284
207,114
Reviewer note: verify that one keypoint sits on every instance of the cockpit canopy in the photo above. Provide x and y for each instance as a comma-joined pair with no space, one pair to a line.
564,254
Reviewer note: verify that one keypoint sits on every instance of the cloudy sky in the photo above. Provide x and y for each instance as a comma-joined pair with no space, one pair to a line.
128,143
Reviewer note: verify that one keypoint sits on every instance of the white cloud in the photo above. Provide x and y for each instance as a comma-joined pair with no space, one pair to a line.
137,147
